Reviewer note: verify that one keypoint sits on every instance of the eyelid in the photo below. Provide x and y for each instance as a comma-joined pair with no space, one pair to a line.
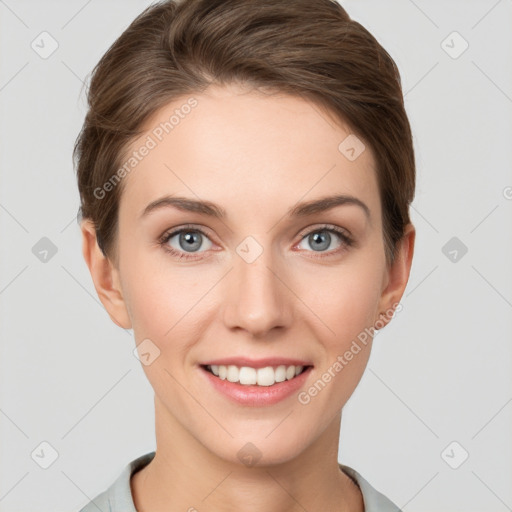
311,229
191,227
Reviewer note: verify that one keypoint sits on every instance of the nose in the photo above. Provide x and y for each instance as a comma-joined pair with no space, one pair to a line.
258,298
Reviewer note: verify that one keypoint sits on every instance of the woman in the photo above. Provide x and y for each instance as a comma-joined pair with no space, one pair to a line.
245,172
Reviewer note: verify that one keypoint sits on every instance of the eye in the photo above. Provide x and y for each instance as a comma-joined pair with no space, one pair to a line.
321,239
182,243
186,241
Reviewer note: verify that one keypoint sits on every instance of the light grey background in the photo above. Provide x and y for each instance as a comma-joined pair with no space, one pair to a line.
440,372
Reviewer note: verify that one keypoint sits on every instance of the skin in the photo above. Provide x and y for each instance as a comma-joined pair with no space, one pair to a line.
256,156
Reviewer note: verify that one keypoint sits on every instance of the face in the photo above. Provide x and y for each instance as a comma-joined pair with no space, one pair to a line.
264,277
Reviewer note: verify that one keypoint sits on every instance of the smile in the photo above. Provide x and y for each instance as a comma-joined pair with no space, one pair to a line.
256,387
247,376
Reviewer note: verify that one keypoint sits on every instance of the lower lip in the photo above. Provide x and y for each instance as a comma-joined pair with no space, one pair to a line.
257,395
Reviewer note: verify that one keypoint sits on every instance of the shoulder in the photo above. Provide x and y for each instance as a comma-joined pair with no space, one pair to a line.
374,501
118,496
101,502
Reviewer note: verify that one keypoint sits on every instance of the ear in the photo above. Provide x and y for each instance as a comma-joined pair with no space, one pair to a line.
105,277
397,277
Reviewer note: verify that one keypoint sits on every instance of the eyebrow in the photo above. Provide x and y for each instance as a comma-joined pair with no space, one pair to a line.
213,210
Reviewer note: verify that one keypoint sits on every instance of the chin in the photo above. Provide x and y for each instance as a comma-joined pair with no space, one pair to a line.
261,449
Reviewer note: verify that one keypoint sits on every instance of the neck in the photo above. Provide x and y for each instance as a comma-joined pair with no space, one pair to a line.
185,475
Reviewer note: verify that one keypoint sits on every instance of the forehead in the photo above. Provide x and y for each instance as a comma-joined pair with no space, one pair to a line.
248,151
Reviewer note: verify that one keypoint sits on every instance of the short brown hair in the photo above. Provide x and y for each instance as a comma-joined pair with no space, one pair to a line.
309,48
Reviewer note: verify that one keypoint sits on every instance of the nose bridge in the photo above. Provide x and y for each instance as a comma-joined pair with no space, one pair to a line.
258,298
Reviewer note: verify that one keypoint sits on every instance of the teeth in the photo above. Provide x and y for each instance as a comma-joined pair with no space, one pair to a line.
267,376
246,375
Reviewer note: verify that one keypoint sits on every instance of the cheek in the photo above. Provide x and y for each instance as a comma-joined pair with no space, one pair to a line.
344,299
155,296
150,304
168,305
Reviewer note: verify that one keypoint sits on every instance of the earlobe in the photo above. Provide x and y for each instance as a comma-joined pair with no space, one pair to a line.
105,277
398,276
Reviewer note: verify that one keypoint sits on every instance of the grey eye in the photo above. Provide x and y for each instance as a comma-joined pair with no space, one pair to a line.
321,239
188,240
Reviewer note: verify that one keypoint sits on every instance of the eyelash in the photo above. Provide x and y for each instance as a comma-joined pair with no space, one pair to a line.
346,240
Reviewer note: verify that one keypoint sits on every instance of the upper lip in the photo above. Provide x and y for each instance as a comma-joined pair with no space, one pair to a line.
257,363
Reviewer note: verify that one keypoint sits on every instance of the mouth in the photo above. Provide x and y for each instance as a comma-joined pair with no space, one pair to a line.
266,376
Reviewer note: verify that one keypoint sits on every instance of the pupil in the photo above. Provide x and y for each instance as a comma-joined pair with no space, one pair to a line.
192,244
318,237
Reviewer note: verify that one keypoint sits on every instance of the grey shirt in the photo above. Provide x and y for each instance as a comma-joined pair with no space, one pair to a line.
118,497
